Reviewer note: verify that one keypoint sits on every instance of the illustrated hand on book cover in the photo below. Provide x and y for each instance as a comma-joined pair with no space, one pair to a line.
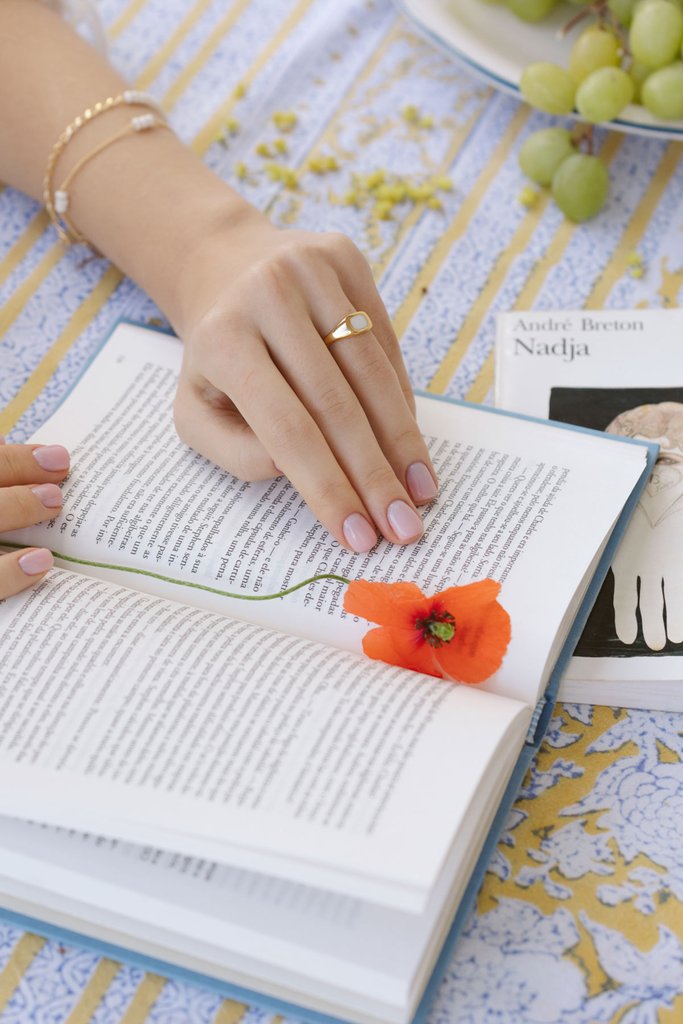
648,568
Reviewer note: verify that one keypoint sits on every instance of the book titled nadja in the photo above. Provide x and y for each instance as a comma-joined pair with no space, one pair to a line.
560,336
619,371
230,789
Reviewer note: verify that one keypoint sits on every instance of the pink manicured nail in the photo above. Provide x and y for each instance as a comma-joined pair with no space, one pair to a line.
49,495
420,482
358,533
36,561
404,521
52,457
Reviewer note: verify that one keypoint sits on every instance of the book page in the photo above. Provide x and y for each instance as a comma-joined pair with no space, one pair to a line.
350,949
155,722
348,957
511,495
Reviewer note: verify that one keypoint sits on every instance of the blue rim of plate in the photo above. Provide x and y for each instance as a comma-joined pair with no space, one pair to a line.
632,127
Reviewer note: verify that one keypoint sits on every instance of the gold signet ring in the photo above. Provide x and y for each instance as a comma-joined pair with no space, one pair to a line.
348,327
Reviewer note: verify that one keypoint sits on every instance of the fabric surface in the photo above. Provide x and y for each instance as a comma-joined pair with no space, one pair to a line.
580,919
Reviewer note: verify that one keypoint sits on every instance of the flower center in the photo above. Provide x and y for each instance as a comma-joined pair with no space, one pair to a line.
437,629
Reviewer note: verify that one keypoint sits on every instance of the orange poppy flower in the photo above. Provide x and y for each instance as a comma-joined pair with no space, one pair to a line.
460,634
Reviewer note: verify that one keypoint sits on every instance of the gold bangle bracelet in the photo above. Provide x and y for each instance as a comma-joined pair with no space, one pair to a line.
61,220
131,97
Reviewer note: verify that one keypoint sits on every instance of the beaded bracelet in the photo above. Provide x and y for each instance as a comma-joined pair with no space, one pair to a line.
64,228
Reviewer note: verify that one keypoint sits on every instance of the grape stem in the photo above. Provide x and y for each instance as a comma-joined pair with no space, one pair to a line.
605,16
583,138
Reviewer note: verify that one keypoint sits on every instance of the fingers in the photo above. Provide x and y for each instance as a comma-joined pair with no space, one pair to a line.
32,464
296,444
358,283
28,495
373,379
673,597
652,611
625,605
208,421
370,375
373,460
22,569
27,506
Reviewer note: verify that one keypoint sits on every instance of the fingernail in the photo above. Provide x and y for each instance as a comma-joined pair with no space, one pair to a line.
36,561
358,533
52,457
49,494
404,521
420,482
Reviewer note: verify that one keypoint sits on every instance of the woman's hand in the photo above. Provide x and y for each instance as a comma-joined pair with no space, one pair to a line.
261,393
29,494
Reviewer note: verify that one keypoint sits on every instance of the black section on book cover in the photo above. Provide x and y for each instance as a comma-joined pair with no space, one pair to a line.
598,408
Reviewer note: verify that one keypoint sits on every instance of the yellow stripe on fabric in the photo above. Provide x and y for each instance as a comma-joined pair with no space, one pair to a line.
459,224
536,278
207,134
484,381
636,228
16,302
124,19
152,69
112,277
146,995
482,304
50,361
199,60
230,1012
22,956
92,994
17,252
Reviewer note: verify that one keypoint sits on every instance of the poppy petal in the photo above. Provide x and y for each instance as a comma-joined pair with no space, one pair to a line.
469,597
387,604
398,647
480,642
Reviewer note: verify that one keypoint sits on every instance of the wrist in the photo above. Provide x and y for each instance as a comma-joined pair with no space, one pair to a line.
151,205
223,229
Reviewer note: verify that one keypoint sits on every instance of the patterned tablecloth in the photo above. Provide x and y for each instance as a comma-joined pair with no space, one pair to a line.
580,919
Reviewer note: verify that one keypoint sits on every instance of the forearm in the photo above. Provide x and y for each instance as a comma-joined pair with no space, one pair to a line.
146,201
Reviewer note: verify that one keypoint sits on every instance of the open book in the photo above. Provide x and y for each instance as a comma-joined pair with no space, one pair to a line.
620,371
231,787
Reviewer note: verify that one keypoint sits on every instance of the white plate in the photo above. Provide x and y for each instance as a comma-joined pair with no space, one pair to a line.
495,43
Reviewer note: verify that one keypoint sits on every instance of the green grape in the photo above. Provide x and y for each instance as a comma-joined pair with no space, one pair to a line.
604,94
580,186
594,48
622,10
543,152
662,92
531,10
656,32
638,73
548,87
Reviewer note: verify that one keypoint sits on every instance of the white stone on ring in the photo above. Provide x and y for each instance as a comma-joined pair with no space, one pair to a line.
349,326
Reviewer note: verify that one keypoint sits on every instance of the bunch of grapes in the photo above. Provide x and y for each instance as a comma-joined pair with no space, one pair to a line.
632,51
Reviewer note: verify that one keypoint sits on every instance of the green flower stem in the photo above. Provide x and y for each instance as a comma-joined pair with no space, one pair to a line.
187,583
